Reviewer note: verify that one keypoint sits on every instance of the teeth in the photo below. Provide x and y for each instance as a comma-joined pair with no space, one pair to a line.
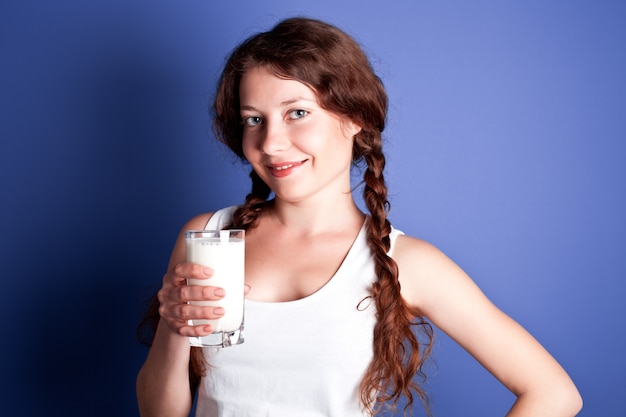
283,167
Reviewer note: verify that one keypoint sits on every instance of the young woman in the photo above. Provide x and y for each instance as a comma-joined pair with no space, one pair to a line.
339,302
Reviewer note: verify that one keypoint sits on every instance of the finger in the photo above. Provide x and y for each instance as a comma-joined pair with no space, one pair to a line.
195,271
170,278
185,312
195,331
184,328
200,293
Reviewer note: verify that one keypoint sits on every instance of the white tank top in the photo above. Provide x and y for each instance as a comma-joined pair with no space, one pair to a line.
303,358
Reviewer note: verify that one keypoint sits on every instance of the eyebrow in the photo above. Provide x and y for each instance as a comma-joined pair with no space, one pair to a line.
282,104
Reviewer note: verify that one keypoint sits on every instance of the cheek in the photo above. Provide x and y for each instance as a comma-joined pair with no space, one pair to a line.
345,139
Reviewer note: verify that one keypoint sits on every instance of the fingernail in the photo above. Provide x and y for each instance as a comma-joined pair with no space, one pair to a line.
219,292
207,271
218,310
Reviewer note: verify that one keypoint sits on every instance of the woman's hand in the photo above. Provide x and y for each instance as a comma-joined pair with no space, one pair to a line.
175,294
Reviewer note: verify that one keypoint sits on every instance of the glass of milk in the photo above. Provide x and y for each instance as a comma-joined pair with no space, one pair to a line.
222,251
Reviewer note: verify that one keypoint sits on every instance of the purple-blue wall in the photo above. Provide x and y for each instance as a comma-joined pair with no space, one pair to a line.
506,148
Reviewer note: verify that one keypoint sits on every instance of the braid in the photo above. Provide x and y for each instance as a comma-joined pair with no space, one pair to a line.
397,354
247,215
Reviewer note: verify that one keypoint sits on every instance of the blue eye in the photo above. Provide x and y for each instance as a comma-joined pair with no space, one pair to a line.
298,114
252,121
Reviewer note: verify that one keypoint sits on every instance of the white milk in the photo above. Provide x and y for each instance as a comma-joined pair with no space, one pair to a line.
226,258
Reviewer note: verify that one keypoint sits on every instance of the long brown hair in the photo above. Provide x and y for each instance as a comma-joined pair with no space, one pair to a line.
332,64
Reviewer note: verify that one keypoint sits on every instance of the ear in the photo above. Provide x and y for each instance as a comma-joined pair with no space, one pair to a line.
350,128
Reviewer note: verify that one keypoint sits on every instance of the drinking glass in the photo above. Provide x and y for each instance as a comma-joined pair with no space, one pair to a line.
223,251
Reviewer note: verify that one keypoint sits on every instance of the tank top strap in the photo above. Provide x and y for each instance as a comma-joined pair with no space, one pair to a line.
221,218
392,237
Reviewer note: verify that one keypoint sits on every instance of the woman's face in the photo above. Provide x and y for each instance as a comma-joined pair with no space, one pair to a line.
299,149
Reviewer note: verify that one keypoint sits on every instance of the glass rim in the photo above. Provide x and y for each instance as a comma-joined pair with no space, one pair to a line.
213,231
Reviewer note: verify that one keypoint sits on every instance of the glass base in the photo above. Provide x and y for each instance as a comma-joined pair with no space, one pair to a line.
219,339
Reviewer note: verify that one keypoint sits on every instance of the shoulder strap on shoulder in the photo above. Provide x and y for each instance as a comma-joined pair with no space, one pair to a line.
221,218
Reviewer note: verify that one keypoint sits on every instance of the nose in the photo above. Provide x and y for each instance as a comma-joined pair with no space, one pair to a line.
276,138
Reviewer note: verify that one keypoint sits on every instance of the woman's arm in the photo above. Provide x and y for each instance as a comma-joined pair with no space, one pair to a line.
163,381
451,301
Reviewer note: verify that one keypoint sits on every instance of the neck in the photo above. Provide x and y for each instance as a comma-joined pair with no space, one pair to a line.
309,218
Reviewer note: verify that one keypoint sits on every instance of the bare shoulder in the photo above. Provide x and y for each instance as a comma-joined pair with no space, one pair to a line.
427,275
419,259
407,248
197,222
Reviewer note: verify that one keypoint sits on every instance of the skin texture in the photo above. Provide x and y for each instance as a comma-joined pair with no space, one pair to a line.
302,239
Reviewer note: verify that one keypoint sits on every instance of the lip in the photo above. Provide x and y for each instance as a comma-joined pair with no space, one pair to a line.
284,169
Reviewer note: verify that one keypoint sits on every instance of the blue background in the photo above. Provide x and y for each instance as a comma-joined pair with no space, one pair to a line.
506,148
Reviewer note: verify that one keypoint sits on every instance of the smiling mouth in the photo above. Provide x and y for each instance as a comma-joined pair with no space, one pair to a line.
280,168
285,166
284,169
